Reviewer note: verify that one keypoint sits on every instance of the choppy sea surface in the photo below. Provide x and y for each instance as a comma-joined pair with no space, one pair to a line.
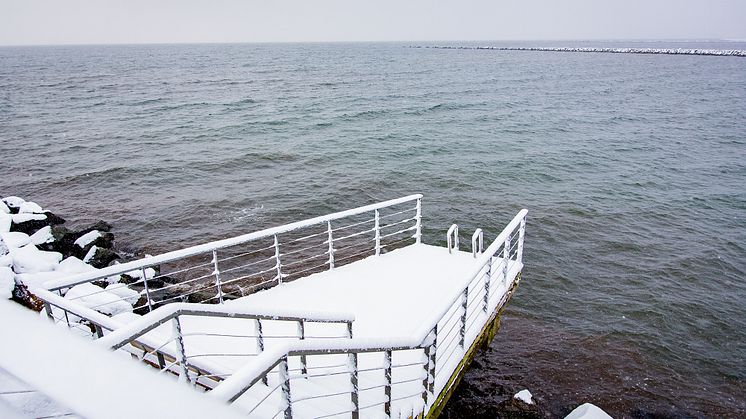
633,168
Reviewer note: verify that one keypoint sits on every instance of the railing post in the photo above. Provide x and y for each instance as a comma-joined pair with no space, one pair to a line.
302,336
354,382
147,289
452,242
260,343
278,264
99,331
181,352
216,272
426,380
418,222
477,242
487,280
349,330
464,306
433,350
285,384
377,229
506,258
521,234
48,309
387,376
331,245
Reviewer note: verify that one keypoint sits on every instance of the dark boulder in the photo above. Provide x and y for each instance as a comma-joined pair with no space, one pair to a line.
31,226
102,258
104,241
22,296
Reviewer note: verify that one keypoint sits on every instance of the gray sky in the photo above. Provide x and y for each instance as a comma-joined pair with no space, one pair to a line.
25,22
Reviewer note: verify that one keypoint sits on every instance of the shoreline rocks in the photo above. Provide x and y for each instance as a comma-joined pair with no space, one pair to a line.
36,246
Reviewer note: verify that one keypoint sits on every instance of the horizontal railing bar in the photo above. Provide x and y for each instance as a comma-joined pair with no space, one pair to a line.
317,396
209,247
269,393
399,232
345,227
263,249
235,268
404,221
393,214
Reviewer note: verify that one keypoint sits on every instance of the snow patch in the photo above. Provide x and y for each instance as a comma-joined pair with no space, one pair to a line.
43,235
137,274
37,280
22,218
14,201
87,238
15,239
29,259
73,265
6,260
4,208
29,207
7,282
121,290
5,222
524,396
588,411
96,298
88,256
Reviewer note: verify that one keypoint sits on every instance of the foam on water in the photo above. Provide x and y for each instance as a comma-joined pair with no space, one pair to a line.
632,166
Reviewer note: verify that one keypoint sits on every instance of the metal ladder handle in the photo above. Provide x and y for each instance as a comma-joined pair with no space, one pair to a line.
452,237
477,242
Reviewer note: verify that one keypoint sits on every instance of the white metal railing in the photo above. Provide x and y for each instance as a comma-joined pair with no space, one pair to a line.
234,267
270,381
440,344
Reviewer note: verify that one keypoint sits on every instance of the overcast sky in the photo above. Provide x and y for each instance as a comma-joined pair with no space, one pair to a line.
25,22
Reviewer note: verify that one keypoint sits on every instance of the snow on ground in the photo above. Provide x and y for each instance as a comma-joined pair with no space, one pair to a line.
406,282
5,222
7,282
87,238
97,298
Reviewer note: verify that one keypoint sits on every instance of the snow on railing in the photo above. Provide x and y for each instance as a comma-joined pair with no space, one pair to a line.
424,362
227,269
187,348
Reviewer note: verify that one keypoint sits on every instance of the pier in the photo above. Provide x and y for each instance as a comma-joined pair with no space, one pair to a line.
345,315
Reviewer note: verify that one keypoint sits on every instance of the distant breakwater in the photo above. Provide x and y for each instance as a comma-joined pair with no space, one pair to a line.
665,51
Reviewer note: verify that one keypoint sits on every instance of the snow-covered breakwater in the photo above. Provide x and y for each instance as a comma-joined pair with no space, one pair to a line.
665,51
36,247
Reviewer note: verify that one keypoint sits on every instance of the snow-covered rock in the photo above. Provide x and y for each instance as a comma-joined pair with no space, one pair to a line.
87,238
37,279
43,235
96,298
524,396
6,260
588,411
4,208
125,293
29,259
73,265
13,201
5,221
7,282
15,239
90,254
149,274
22,218
29,207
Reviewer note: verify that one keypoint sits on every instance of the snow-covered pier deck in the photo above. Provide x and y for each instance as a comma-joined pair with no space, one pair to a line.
344,315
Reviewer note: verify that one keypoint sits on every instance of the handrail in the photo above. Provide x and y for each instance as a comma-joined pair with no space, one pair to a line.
209,247
424,330
79,310
159,316
241,380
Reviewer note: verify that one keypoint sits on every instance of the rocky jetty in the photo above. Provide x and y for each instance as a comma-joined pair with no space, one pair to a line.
36,246
659,51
